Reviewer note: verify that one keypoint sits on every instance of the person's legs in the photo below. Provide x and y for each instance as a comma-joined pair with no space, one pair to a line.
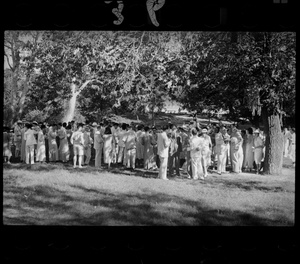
170,164
31,149
97,158
75,151
241,159
204,164
223,162
163,168
235,161
133,153
177,163
220,157
194,168
27,152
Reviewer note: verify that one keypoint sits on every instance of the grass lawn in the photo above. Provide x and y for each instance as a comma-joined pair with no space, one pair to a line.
60,195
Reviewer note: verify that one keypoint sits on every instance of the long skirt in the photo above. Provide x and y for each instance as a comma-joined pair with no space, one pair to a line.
64,151
41,152
258,155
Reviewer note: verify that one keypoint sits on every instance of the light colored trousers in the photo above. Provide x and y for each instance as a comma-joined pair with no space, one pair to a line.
196,167
130,158
88,154
163,167
120,154
29,151
237,159
222,158
98,156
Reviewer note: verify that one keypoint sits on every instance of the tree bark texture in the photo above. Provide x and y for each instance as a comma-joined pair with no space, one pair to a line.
274,143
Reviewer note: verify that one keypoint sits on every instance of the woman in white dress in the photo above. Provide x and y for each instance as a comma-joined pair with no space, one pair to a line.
258,146
109,142
249,155
41,147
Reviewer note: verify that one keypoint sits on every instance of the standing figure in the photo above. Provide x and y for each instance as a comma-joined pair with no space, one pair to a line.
196,145
148,142
41,146
173,155
23,144
249,155
163,143
287,137
292,148
64,152
30,142
236,150
18,138
88,141
155,151
206,150
77,141
139,147
69,135
130,146
6,145
121,144
98,146
258,146
108,146
222,142
53,149
115,133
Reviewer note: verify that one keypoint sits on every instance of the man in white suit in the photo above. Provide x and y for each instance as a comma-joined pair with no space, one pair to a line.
163,143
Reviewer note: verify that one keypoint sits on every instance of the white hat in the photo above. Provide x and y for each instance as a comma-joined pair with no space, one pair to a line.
94,124
204,130
256,131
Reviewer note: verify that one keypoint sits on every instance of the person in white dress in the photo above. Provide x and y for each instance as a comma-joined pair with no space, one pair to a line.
41,146
292,148
196,147
109,143
287,135
258,146
236,150
163,143
205,150
249,154
222,144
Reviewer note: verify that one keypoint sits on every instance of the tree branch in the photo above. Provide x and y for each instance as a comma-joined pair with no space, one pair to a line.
8,62
84,85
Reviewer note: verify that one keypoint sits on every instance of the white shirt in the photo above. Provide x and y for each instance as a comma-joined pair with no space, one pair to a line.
29,137
196,142
163,143
77,138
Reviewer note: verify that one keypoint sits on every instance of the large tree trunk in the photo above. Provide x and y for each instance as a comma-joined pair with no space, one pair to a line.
274,143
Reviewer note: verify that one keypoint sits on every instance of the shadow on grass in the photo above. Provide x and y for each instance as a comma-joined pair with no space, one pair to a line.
82,206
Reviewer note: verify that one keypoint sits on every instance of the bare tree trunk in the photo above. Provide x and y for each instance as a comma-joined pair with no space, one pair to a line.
274,144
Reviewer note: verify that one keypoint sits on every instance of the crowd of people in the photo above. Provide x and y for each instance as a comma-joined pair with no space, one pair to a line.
192,150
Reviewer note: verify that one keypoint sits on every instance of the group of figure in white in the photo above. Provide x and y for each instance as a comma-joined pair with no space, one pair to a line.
170,149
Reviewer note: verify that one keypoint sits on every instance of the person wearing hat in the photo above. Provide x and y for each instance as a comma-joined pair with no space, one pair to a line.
258,146
222,141
236,150
206,150
17,138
